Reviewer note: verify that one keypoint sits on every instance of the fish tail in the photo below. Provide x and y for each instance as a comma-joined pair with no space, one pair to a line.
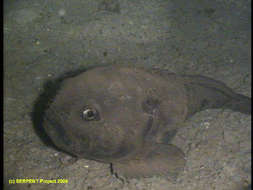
204,93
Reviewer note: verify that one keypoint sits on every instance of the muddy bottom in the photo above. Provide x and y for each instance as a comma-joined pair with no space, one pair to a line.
43,39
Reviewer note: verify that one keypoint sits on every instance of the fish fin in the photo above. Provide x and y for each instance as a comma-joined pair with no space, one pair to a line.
153,160
204,93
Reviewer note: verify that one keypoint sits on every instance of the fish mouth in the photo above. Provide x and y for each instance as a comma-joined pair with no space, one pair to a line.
104,153
100,150
83,145
56,133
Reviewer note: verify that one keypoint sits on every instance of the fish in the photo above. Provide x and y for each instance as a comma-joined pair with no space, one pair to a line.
127,116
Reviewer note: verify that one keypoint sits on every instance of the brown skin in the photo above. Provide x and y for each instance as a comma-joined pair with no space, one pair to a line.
127,116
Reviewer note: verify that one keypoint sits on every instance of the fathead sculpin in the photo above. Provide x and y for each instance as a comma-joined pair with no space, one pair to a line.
127,116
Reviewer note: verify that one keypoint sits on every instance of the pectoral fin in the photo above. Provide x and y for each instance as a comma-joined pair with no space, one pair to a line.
153,160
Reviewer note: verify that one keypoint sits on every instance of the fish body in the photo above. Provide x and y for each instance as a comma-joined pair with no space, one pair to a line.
127,116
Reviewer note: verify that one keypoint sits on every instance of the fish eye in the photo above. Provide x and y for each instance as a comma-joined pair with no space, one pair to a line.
90,114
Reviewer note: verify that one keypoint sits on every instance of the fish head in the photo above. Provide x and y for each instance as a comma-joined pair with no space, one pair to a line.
98,115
